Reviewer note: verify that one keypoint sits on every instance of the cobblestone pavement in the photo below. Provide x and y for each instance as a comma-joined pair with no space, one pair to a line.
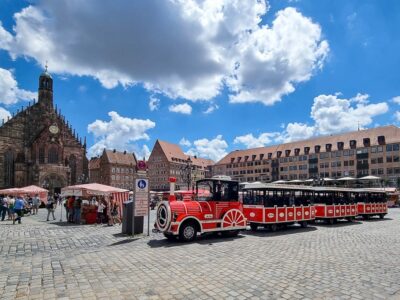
48,260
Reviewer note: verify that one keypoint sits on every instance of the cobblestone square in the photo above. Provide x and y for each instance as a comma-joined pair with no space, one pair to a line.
48,260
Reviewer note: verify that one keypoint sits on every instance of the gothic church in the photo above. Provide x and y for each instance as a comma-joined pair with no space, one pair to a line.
38,146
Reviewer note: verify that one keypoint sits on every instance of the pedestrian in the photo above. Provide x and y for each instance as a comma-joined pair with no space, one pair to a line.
35,204
77,210
18,209
115,211
51,206
70,205
11,212
100,211
65,201
3,207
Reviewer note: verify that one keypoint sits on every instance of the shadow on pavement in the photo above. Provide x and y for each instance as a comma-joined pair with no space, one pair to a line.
340,223
122,242
207,239
282,231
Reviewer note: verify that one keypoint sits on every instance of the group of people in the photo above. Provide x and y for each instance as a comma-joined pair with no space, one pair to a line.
15,207
107,210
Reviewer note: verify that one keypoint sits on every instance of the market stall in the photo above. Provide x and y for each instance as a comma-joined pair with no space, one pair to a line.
93,191
30,190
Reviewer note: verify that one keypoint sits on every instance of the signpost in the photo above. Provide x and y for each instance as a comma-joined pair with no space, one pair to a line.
141,202
141,197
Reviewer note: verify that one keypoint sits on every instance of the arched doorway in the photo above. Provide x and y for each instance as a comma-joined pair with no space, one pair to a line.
53,182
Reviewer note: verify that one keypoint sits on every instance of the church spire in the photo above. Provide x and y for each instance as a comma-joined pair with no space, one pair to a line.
46,88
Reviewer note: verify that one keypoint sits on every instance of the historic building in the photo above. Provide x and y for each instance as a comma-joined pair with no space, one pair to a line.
38,146
357,154
168,160
114,168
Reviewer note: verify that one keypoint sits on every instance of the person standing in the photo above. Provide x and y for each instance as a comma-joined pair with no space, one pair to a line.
70,206
3,207
115,211
100,211
51,205
77,210
18,207
11,212
35,204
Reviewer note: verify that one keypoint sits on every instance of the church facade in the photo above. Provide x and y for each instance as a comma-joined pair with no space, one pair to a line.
38,146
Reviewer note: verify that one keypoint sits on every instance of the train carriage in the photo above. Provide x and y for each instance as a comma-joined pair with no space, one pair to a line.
275,205
214,207
371,202
332,204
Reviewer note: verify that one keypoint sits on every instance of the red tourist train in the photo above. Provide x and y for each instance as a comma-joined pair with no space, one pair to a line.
215,207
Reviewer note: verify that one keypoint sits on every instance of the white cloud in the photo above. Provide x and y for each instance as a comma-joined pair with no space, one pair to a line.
331,115
273,59
397,116
250,141
4,115
184,108
185,142
154,103
118,133
186,49
211,109
396,99
214,149
9,91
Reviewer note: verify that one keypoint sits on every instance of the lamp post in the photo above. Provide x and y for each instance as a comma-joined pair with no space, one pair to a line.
188,169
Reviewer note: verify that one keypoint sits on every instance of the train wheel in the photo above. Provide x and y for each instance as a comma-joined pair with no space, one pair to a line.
233,218
254,226
304,224
366,217
273,227
381,216
188,232
331,221
350,219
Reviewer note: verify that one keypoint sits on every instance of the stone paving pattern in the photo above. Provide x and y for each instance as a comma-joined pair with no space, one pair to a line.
48,260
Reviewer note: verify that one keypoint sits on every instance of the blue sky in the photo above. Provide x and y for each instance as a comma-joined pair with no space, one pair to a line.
214,76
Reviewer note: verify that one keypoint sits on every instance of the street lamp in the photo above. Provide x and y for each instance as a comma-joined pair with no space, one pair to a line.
188,169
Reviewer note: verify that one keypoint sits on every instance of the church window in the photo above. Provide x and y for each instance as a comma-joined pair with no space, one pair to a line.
72,165
41,155
9,168
53,155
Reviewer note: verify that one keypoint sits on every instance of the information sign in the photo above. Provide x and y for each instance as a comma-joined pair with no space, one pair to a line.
141,197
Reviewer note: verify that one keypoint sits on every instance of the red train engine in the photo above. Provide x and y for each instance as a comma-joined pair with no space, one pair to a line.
214,207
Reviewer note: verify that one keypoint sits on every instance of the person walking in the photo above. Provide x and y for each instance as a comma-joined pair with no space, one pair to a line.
77,210
11,212
18,208
51,206
3,207
35,204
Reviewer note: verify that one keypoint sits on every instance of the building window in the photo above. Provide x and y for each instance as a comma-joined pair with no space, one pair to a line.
41,155
53,155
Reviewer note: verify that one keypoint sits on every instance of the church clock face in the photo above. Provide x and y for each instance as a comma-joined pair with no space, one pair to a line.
53,129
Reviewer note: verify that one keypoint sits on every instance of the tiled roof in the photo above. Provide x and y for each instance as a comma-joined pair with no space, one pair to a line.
121,158
173,152
94,163
391,134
